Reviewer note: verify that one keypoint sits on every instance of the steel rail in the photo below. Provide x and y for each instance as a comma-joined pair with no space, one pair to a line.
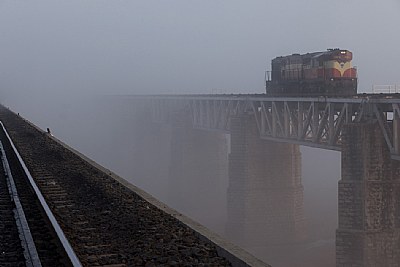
30,251
64,241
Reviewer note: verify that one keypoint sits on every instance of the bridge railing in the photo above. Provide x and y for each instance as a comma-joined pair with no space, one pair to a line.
386,89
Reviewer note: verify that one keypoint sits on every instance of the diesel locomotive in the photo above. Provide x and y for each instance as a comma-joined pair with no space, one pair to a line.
328,73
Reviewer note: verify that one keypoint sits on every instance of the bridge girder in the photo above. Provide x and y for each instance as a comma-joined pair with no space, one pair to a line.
315,122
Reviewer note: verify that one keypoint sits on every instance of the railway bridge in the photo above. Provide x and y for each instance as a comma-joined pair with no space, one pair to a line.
265,193
105,221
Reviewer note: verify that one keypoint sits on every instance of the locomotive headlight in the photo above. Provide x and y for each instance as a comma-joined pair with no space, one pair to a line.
342,52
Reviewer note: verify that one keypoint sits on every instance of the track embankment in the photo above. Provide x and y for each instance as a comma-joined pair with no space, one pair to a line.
108,221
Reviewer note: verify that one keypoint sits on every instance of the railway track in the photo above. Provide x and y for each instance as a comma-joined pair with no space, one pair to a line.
106,223
29,239
11,251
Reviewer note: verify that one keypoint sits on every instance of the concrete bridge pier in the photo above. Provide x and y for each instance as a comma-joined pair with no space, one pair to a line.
369,200
198,172
265,193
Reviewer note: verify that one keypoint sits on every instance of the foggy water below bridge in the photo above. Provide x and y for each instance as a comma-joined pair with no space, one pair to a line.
104,131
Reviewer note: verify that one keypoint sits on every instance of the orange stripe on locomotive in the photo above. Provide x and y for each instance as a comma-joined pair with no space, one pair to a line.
338,73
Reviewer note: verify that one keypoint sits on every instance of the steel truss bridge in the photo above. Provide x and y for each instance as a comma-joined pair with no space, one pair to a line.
309,121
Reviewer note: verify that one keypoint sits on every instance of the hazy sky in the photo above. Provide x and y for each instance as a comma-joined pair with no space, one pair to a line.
96,46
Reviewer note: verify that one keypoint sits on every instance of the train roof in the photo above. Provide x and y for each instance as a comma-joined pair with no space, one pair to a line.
314,55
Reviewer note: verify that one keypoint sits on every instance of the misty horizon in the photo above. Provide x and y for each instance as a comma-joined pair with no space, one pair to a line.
101,47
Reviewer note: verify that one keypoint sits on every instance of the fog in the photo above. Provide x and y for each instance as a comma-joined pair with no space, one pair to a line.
58,58
184,46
